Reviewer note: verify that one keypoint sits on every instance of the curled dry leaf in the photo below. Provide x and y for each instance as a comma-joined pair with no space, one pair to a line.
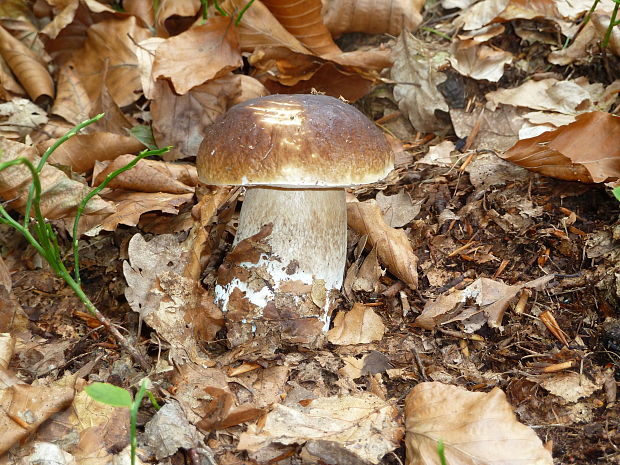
131,205
586,150
476,428
60,194
372,16
393,247
27,67
305,21
150,176
260,28
362,425
199,54
82,151
479,61
64,12
145,53
360,325
284,72
173,15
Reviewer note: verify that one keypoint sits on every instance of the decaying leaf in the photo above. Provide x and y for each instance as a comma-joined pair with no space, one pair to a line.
360,325
169,430
479,61
170,303
571,152
363,425
398,209
416,74
476,428
20,117
570,386
393,247
491,298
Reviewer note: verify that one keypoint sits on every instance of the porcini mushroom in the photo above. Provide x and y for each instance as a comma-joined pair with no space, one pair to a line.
295,154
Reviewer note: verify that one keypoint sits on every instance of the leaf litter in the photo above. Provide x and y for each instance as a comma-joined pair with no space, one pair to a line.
462,268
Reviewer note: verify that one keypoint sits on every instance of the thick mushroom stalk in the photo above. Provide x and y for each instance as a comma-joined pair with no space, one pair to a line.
303,258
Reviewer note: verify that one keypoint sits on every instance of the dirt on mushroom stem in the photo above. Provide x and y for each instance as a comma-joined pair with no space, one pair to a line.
287,264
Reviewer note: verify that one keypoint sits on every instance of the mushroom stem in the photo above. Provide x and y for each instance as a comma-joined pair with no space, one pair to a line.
304,251
309,228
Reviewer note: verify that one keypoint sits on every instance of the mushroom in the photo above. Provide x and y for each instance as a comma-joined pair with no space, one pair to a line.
295,154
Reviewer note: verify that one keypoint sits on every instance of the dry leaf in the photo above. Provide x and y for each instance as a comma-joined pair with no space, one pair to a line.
169,302
305,22
571,152
479,61
107,56
363,425
416,74
360,325
24,408
173,16
440,154
568,97
201,54
181,120
476,428
20,117
259,28
398,209
491,298
393,246
131,205
285,72
372,16
28,68
82,151
150,176
60,194
570,386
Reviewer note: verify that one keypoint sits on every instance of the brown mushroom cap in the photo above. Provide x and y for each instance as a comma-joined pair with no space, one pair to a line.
294,140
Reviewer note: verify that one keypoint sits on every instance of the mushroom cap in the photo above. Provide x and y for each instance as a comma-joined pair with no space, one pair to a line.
294,140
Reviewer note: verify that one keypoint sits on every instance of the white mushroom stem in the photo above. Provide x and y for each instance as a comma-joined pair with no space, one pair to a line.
308,240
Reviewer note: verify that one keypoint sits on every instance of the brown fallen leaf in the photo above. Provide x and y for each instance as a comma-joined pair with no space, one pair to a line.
199,54
23,408
108,55
476,428
360,325
60,194
491,300
150,176
417,67
260,28
372,16
364,426
27,67
175,306
586,150
305,22
131,205
82,151
393,247
181,120
173,16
